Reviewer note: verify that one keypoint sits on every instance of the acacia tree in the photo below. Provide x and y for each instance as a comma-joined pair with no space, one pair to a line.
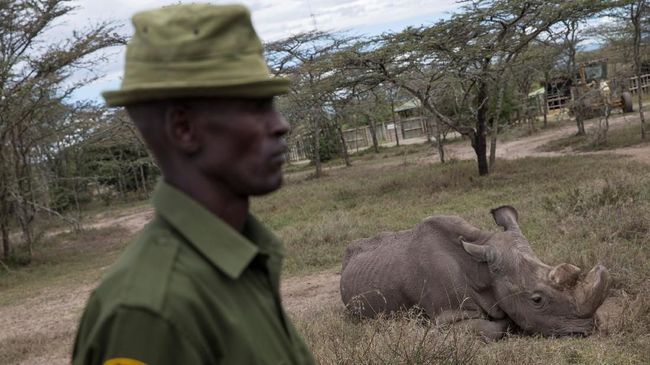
35,77
572,38
403,60
305,58
464,56
363,93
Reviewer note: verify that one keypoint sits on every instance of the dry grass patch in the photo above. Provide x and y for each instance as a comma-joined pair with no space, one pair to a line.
627,136
40,304
404,339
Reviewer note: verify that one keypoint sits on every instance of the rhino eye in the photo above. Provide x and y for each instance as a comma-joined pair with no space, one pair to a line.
536,298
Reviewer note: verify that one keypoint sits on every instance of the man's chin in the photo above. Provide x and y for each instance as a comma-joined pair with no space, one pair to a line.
268,187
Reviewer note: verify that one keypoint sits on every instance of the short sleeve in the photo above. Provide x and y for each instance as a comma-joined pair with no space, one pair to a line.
134,336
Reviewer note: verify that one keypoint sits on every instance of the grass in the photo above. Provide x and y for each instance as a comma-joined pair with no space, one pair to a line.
335,339
365,154
627,136
582,210
41,303
405,339
71,259
516,131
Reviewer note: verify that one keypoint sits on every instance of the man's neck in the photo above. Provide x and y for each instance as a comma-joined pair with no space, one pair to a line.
230,208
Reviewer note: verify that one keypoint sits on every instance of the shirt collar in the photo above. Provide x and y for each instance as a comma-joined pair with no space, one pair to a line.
222,245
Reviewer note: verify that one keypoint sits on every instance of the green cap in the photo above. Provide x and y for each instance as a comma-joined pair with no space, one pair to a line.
196,50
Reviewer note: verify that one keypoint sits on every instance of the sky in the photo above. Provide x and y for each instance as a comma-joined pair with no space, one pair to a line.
273,20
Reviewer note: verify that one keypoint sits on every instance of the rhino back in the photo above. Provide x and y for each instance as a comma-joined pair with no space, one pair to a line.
375,269
399,270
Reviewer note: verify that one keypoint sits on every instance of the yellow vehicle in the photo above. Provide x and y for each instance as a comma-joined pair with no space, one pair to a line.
589,91
593,91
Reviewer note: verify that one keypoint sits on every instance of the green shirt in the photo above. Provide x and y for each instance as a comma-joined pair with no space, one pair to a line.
191,290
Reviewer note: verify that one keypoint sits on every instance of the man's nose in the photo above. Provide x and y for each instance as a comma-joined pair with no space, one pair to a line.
279,125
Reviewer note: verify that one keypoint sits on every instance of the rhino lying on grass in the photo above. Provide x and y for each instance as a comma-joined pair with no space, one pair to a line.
457,273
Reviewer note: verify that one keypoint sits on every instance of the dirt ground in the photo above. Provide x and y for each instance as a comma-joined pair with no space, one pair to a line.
528,146
49,319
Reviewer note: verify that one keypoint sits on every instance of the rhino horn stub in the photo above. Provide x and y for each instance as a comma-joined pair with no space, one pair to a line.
506,217
481,253
591,293
564,275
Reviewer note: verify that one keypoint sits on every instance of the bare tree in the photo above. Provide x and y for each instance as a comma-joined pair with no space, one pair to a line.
36,76
306,59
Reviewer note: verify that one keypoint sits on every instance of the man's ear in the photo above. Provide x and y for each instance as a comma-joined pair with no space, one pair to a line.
181,129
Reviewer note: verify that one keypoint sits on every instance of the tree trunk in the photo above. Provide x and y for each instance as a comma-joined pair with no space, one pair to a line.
136,179
530,120
426,125
76,200
547,80
317,162
495,123
144,181
373,133
344,146
640,99
23,191
480,148
479,142
440,143
578,110
25,226
580,123
6,244
4,208
571,39
636,21
392,109
603,127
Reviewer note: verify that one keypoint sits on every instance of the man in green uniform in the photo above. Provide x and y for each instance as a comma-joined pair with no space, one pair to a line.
200,284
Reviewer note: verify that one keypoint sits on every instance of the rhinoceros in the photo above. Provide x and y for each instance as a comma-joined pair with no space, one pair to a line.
456,273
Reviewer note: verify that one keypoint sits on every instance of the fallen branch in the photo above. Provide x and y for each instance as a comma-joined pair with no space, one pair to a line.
75,223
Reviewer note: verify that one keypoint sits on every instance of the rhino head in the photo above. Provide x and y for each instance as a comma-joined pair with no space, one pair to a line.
553,301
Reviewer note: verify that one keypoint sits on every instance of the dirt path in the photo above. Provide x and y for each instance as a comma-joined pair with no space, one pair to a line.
133,221
305,294
40,330
528,146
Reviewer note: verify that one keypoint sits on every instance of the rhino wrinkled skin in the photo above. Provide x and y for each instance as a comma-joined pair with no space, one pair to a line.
458,274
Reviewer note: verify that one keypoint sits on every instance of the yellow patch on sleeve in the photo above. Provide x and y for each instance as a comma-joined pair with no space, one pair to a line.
123,361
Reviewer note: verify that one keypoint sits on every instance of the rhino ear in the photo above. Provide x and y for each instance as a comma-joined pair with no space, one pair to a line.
564,275
480,253
506,217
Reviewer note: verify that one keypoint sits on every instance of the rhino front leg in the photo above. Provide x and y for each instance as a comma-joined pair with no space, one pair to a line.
488,330
474,321
451,316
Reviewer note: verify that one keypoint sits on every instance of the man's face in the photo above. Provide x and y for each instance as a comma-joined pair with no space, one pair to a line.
242,146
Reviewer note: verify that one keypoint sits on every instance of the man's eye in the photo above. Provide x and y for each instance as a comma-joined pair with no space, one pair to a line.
263,104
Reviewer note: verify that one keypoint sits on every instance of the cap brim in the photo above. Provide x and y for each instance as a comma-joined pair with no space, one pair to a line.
144,93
